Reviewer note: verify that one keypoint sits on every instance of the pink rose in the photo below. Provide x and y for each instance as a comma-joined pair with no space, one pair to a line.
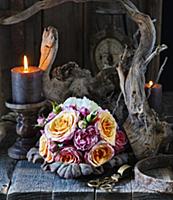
68,155
51,116
99,154
84,139
52,146
41,121
120,141
84,111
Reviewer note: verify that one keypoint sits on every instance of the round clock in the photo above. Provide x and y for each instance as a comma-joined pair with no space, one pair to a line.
107,52
106,49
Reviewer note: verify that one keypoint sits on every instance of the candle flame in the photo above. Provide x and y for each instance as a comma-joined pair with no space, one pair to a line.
25,64
150,84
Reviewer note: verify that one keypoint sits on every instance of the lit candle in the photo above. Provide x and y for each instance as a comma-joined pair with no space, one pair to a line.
26,84
154,91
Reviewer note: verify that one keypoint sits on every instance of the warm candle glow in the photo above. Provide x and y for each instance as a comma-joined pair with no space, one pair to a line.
25,64
150,84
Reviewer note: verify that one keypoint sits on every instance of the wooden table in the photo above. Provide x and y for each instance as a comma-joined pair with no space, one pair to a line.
26,181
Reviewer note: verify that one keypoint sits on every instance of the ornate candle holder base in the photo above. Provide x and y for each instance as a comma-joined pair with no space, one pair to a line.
26,119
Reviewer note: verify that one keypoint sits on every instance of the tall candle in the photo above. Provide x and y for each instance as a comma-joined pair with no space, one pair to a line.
154,90
26,84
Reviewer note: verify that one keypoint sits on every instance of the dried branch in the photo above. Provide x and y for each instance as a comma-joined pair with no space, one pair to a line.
161,70
117,103
140,127
136,34
121,73
35,8
156,52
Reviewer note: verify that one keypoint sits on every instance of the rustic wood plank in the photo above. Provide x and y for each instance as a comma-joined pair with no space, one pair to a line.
29,181
33,32
67,18
72,189
140,193
6,168
17,35
5,59
122,190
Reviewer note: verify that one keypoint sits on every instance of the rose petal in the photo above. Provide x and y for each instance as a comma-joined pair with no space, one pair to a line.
68,155
44,149
100,153
84,139
107,125
120,142
62,127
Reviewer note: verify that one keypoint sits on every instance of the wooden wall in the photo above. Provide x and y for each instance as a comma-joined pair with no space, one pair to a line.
77,25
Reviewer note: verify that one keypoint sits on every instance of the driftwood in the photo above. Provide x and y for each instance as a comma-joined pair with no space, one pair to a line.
145,131
38,6
70,80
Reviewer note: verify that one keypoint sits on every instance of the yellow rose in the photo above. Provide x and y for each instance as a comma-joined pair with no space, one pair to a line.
62,127
107,127
44,150
100,153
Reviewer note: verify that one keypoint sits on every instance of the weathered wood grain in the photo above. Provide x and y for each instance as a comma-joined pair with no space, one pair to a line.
72,189
122,190
17,36
5,49
33,31
154,9
140,193
29,181
6,168
68,19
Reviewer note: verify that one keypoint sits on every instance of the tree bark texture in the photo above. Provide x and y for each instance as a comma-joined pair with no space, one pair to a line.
145,131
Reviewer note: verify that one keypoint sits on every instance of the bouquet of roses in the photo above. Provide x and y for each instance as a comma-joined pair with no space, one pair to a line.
79,131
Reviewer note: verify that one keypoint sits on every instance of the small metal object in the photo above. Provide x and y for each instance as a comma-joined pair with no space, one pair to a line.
108,187
94,183
108,183
124,169
115,177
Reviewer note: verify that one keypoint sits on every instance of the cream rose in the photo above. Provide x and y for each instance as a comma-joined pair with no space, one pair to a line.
99,154
44,149
107,126
61,128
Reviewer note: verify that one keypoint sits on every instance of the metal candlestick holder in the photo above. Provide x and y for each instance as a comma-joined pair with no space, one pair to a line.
26,119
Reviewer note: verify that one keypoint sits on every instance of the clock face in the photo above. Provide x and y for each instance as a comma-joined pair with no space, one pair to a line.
107,52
